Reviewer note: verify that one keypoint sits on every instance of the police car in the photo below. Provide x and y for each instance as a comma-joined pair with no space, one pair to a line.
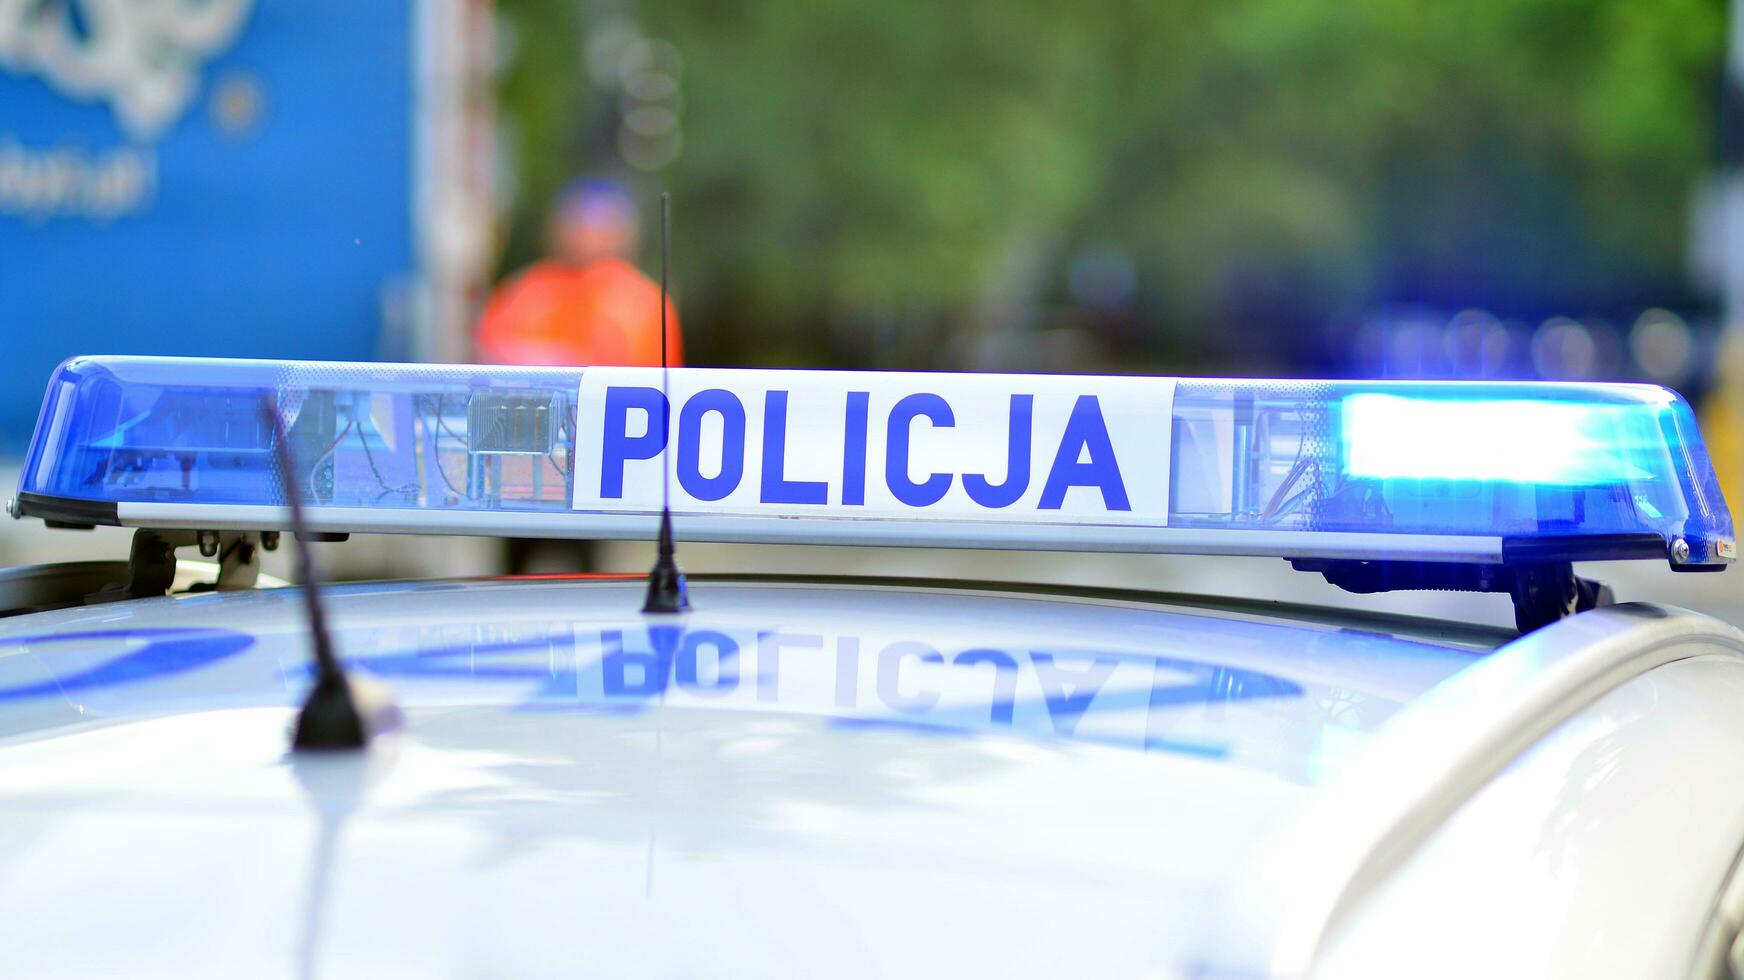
767,776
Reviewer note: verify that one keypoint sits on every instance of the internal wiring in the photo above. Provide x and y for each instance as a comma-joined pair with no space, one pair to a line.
369,457
315,494
1279,505
1290,478
563,430
1290,506
436,463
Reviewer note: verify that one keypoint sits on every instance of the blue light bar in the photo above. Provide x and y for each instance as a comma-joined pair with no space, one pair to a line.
1430,471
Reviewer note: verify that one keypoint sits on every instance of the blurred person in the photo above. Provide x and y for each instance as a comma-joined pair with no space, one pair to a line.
585,304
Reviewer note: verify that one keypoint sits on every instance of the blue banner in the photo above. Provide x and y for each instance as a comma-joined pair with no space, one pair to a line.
212,177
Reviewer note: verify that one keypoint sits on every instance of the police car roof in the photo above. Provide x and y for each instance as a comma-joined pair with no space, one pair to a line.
800,776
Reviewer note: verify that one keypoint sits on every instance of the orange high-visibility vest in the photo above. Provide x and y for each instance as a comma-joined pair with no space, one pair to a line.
555,314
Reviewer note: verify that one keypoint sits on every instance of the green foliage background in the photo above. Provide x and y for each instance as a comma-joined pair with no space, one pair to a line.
881,183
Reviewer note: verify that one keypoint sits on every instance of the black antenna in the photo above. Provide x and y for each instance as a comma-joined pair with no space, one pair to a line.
666,590
340,713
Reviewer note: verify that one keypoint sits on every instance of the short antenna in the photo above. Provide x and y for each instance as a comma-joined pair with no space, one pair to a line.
666,588
340,713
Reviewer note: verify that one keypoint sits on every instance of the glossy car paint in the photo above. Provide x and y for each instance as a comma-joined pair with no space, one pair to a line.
1599,852
1315,882
794,779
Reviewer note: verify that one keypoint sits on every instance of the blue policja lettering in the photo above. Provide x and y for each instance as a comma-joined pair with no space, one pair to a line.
777,489
1085,456
1086,434
732,413
617,446
930,490
1016,461
854,449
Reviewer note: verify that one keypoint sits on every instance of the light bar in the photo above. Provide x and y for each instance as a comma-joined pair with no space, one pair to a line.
1421,471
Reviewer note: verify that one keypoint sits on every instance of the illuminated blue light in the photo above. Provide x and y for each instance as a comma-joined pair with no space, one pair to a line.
1555,443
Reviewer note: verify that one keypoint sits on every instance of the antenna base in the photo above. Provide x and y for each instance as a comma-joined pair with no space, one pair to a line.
667,592
666,589
344,713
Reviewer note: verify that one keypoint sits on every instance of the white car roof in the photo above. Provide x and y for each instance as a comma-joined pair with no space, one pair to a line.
835,778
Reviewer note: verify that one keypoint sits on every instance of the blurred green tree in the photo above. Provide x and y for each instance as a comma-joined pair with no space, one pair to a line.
894,183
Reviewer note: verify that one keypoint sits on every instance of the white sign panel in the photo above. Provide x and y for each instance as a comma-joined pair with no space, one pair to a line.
955,447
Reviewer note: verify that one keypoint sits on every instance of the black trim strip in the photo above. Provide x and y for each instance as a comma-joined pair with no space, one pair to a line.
67,511
1582,547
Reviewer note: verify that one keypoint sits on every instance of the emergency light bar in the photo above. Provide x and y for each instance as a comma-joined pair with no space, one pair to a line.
1418,471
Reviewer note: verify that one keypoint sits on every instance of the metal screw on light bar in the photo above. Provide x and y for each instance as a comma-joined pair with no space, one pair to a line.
1680,551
